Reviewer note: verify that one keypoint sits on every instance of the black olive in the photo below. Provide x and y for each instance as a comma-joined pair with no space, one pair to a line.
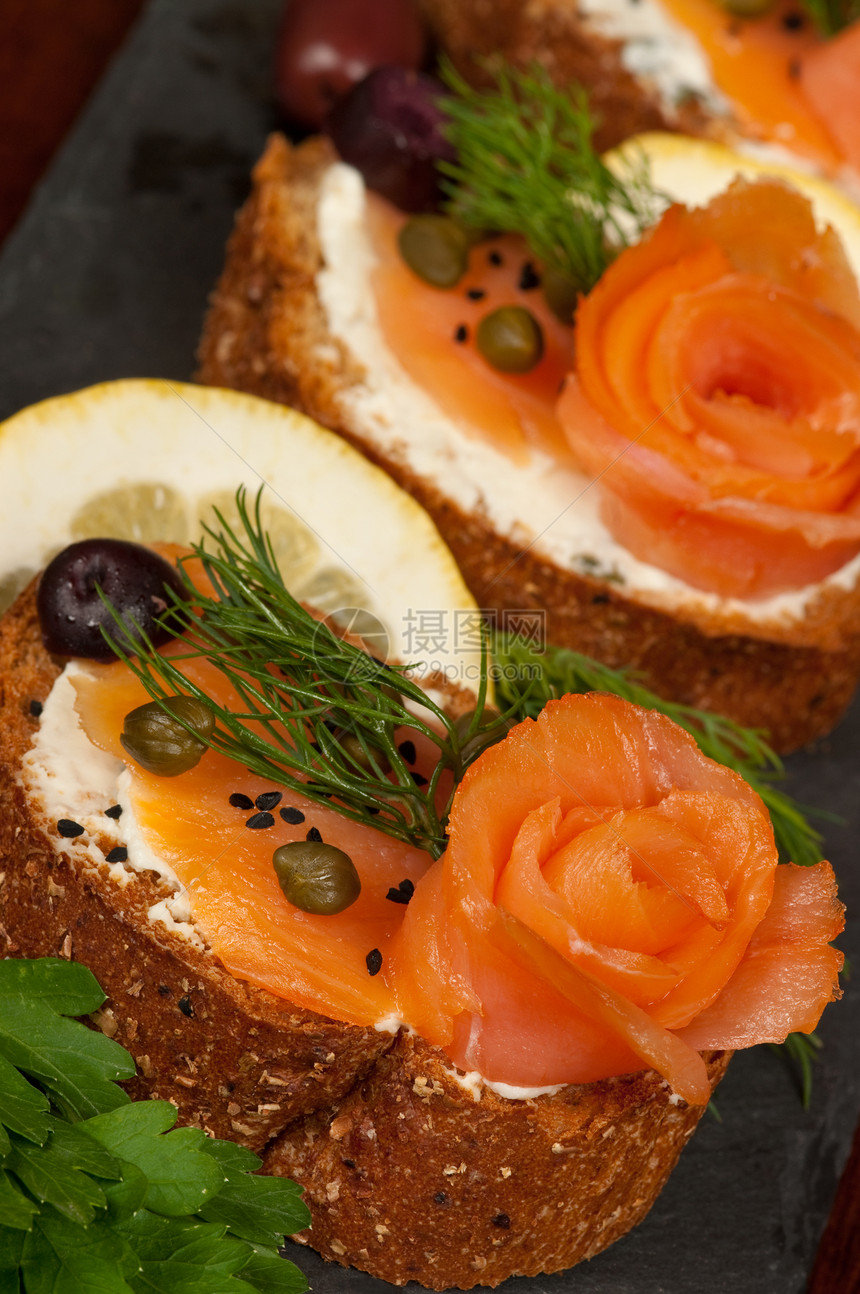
156,739
510,339
135,580
316,877
434,248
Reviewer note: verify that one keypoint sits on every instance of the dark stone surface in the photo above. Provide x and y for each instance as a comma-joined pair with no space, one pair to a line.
107,276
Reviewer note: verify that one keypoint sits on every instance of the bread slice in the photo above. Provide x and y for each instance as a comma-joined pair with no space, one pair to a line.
408,1175
268,332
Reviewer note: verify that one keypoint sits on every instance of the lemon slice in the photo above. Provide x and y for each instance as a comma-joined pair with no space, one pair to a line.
693,171
153,459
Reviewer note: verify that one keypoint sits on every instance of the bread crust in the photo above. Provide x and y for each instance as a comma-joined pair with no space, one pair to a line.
377,1129
266,333
233,1059
501,1187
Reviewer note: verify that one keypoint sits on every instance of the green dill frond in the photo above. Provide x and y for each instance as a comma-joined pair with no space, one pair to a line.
526,164
832,16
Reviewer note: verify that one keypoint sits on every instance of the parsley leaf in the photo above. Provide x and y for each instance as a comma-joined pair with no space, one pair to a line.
101,1196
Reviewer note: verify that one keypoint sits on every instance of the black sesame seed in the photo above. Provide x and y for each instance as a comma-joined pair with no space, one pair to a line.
185,1006
240,801
69,829
475,294
115,811
373,961
419,779
269,799
314,834
792,21
397,895
119,854
35,708
600,599
529,278
259,821
295,816
348,1163
502,1220
461,333
496,258
164,990
374,809
440,1198
407,750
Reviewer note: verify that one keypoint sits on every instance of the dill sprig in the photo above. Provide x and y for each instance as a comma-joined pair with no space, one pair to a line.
526,164
528,678
322,717
832,16
318,714
800,1051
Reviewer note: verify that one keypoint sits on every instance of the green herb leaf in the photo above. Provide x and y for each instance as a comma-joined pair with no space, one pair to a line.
181,1177
182,1256
526,164
258,1209
76,1065
50,1178
60,1257
23,1108
16,1209
271,1275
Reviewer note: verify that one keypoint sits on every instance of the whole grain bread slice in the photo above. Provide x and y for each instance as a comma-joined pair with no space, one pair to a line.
267,333
407,1174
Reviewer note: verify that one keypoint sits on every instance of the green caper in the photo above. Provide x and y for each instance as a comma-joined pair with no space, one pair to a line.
316,877
510,339
492,728
368,758
561,293
434,248
156,738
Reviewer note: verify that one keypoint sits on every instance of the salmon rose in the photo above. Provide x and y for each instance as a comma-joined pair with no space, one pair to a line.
716,397
611,901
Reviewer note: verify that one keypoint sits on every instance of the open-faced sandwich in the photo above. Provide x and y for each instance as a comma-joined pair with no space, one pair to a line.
470,984
671,475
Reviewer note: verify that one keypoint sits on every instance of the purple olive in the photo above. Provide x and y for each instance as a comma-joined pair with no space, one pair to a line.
390,128
326,46
135,580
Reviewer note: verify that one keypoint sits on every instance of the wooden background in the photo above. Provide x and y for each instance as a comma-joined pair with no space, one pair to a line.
52,53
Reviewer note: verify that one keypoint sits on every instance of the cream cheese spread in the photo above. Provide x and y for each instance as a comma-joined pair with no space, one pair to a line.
541,504
68,777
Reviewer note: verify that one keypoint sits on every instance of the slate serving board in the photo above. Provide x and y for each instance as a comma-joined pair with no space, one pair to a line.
107,276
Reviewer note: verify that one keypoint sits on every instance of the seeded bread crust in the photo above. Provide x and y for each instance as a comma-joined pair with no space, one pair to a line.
266,333
233,1059
407,1176
410,1178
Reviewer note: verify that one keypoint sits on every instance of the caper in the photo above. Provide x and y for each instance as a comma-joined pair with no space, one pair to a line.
316,877
434,248
510,339
561,293
491,729
156,739
368,758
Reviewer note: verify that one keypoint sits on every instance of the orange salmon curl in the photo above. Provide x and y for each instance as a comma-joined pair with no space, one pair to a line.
611,900
716,395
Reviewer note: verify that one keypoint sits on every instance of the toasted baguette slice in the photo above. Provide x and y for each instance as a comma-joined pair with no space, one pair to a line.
267,332
407,1175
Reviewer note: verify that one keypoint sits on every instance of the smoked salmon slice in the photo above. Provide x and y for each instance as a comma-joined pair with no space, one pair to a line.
606,887
716,395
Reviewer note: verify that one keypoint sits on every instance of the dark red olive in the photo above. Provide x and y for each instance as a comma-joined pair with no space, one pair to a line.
134,579
327,46
390,128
